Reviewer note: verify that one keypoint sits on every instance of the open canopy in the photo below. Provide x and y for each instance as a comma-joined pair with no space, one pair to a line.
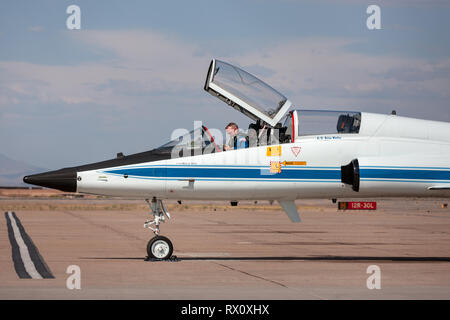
246,93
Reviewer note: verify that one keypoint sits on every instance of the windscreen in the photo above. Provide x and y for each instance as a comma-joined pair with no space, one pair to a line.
248,88
198,141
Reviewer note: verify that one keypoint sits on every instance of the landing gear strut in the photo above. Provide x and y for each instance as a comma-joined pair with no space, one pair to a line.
159,247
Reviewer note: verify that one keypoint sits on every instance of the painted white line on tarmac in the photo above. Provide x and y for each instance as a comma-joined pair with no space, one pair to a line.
24,253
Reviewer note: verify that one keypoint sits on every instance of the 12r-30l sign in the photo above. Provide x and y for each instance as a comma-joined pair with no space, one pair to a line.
357,205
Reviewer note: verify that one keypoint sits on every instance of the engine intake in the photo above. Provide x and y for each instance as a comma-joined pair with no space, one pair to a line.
350,174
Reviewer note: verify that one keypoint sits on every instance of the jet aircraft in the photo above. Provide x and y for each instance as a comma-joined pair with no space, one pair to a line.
292,154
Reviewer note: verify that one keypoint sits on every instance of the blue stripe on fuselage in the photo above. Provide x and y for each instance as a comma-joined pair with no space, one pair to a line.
404,174
304,173
229,173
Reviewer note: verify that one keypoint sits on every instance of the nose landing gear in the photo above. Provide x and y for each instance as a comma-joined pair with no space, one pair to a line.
159,247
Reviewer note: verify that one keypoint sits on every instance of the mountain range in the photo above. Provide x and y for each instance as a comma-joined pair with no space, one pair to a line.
13,171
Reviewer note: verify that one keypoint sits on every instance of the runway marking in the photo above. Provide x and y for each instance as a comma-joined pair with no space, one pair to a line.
28,263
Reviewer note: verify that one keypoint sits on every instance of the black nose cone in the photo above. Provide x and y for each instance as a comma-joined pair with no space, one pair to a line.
63,179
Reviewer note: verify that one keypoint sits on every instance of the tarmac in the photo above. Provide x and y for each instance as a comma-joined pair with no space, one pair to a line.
252,251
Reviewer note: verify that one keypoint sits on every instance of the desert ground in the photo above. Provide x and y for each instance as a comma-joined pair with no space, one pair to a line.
251,251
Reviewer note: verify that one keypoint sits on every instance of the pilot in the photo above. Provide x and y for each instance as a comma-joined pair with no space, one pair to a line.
237,140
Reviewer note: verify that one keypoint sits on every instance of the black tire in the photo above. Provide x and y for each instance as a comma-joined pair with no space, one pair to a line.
159,247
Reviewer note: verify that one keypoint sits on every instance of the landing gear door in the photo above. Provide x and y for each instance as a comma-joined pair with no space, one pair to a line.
246,93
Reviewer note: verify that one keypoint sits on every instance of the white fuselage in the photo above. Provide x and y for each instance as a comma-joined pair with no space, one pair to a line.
397,157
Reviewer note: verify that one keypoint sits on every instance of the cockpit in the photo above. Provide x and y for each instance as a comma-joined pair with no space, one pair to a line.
274,122
267,107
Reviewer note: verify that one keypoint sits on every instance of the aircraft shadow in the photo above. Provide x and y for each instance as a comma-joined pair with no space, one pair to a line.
314,258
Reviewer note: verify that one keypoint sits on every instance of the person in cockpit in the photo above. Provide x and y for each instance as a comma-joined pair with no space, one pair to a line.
237,140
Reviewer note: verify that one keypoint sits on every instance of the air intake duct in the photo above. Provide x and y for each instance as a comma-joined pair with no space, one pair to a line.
350,174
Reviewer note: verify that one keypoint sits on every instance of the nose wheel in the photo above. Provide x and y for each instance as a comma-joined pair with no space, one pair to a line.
159,247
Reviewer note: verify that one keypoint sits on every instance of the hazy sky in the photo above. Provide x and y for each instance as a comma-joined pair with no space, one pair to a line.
135,70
